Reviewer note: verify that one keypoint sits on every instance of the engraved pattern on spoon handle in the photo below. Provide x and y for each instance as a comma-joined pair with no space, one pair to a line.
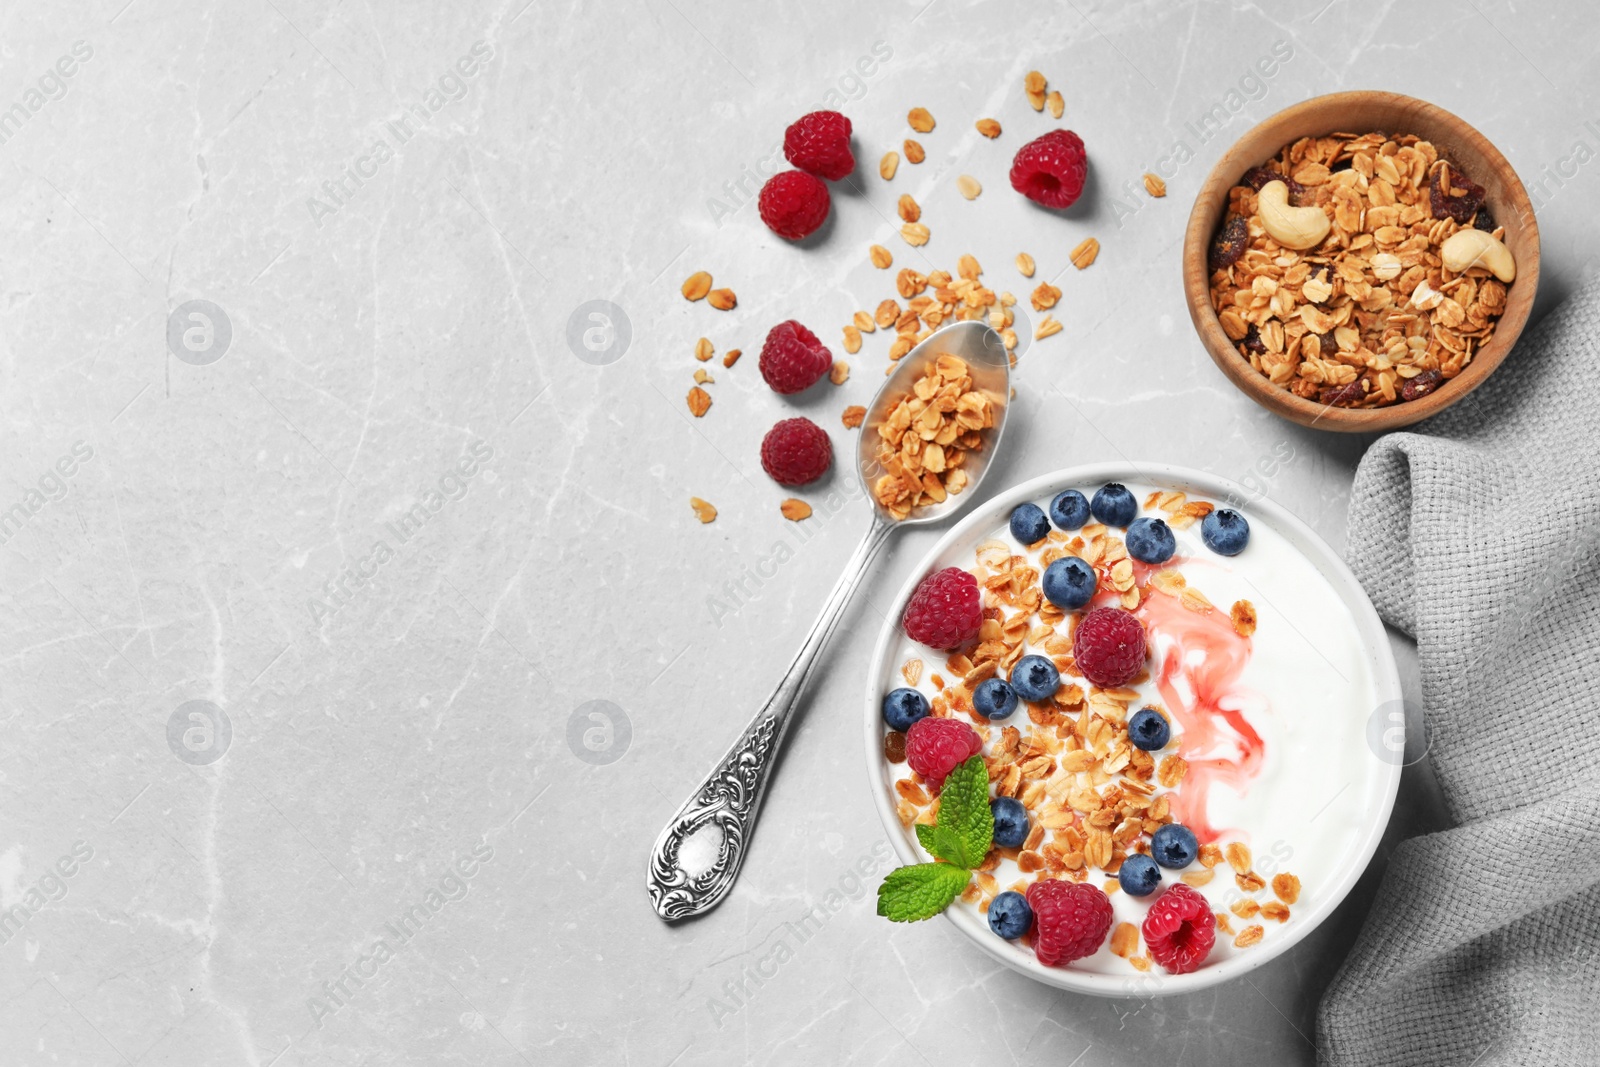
731,794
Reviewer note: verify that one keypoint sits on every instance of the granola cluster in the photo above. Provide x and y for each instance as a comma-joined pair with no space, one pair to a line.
924,440
1093,797
1370,315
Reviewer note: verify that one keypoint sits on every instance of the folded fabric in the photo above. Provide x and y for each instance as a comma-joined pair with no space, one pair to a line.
1479,535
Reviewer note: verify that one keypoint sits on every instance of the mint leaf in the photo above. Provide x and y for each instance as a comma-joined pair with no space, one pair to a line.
943,843
922,891
965,817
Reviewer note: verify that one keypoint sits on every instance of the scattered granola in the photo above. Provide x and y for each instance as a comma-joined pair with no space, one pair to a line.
1025,264
699,401
1056,103
702,510
990,128
968,186
888,165
915,234
701,377
1155,186
1377,310
703,350
914,151
1085,253
794,509
722,299
731,357
881,257
853,416
1250,935
1287,887
910,211
839,373
697,285
1033,85
1125,940
920,119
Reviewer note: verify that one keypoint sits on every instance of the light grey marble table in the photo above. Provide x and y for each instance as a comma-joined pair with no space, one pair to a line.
308,586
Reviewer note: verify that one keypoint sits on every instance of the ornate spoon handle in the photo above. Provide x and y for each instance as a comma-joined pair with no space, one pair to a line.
730,797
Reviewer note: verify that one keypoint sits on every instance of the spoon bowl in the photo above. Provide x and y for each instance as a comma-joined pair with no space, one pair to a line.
989,364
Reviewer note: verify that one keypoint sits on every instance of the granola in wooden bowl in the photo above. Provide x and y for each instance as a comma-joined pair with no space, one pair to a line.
1359,270
1360,261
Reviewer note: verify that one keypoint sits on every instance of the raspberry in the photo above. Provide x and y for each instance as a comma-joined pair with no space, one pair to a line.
796,452
1049,170
946,611
819,143
1071,920
794,204
935,747
1109,647
1180,929
792,359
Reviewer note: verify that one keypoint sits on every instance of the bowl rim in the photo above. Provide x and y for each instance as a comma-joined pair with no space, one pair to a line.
1380,658
1307,114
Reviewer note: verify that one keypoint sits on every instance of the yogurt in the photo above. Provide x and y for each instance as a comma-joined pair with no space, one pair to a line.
1271,723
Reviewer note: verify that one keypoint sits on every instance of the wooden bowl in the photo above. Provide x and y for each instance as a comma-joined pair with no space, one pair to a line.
1361,112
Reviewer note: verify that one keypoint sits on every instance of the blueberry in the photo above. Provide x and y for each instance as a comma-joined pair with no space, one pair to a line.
1151,541
1069,583
994,699
1174,846
1149,729
1009,915
1010,822
903,707
1139,875
1035,678
1069,510
1114,505
1028,524
1225,532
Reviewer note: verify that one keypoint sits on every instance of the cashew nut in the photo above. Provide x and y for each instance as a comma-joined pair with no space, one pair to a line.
1291,227
1466,249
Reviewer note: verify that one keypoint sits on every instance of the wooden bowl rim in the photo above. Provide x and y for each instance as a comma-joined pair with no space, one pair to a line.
1308,117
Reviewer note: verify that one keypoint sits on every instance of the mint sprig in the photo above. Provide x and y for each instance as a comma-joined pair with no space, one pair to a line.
959,839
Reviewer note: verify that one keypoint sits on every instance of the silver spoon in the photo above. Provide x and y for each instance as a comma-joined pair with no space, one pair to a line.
730,796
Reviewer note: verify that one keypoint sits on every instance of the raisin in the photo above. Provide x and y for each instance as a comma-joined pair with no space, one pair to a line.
1252,340
1484,220
1327,347
894,747
1421,385
1343,395
1461,208
1229,243
1256,177
1344,164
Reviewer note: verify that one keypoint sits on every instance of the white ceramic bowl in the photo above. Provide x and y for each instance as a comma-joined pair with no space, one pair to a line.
1362,807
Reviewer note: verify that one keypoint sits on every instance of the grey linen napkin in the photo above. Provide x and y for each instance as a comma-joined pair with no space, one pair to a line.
1480,537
